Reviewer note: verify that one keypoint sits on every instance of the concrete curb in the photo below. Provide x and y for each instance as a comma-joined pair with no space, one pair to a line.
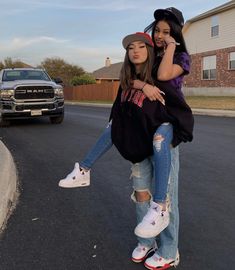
89,104
225,113
8,184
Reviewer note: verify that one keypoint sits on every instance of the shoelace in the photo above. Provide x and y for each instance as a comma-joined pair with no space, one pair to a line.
82,171
157,258
73,173
151,215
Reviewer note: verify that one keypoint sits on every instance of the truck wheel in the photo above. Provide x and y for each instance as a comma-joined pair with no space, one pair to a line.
3,122
57,119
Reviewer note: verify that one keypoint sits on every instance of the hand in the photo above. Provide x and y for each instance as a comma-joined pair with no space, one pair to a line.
153,93
169,39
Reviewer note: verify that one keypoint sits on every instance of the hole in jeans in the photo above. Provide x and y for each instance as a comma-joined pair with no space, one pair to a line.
157,142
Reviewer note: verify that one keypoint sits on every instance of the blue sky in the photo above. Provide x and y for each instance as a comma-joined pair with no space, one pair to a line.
82,32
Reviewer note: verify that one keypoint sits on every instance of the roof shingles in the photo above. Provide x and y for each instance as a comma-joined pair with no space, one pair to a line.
112,72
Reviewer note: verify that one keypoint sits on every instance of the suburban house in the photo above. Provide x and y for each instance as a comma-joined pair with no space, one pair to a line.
108,73
210,39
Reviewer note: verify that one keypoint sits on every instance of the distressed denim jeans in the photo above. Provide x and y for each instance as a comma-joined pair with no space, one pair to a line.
143,180
103,144
162,160
142,176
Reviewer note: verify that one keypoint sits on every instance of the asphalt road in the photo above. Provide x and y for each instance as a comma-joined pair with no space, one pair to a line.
91,228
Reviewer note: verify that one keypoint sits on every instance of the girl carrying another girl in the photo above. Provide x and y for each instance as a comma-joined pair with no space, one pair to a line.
141,127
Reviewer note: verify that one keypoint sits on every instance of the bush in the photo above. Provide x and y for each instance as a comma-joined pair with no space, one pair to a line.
83,79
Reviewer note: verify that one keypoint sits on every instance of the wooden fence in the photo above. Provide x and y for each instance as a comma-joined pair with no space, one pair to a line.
105,91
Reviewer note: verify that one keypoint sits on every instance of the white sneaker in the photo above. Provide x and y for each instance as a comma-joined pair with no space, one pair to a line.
158,262
77,178
154,222
141,252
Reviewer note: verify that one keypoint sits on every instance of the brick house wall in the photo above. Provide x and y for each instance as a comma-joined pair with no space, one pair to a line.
224,77
202,41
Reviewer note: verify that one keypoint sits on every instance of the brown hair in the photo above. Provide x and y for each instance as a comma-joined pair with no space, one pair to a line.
128,73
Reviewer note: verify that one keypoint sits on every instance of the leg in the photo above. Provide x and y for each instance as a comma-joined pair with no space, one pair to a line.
167,254
103,144
80,176
162,160
157,217
142,185
169,237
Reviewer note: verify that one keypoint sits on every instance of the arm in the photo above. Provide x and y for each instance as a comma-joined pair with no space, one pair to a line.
152,92
167,69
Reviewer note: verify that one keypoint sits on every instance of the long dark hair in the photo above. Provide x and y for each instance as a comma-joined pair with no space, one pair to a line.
128,72
175,32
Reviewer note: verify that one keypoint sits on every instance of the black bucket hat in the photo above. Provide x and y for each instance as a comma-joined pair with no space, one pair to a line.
172,12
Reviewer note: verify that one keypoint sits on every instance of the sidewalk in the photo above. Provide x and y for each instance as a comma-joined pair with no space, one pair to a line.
225,113
209,112
8,175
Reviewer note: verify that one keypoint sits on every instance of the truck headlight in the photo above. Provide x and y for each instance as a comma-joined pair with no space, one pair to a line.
6,94
59,92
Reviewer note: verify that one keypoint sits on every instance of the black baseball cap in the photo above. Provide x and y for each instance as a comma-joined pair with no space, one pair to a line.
172,12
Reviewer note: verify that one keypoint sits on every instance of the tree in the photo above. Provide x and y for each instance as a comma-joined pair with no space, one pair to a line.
58,68
9,63
1,65
83,79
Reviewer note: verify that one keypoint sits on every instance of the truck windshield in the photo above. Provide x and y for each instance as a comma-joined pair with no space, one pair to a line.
13,75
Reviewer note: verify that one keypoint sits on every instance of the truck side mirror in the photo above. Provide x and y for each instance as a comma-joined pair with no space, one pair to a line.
58,80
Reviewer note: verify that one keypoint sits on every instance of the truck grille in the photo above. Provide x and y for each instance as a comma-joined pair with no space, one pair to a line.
34,92
34,107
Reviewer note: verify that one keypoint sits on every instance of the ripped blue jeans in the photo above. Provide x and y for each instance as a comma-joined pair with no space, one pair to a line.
142,176
103,144
162,160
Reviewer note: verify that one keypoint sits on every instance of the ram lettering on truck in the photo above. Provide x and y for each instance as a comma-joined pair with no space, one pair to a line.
27,93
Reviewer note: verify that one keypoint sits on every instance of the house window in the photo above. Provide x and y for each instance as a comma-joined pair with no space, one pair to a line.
209,68
232,60
214,26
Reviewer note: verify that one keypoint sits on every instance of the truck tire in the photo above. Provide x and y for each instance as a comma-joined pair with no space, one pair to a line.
57,119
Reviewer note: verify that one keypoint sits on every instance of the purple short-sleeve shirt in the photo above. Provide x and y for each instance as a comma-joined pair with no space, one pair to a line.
182,59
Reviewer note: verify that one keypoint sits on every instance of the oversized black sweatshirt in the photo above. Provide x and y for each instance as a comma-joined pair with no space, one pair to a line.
135,119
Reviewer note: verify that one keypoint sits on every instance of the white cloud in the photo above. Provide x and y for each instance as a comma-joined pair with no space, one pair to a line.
34,50
82,32
20,43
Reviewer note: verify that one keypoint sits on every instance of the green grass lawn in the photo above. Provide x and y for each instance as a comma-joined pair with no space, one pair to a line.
208,102
195,102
